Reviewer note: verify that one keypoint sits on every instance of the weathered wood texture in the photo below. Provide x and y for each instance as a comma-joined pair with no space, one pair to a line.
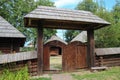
10,38
67,19
16,66
10,45
8,58
107,56
107,51
46,58
40,48
81,37
90,48
75,56
8,31
32,67
108,60
47,51
64,19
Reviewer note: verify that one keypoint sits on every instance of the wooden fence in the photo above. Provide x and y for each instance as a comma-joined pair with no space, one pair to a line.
21,56
109,62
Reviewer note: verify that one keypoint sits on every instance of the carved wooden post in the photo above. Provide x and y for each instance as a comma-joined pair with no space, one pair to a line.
90,48
40,49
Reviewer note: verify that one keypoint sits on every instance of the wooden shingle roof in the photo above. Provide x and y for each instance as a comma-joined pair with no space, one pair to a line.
82,37
107,51
56,38
8,31
52,17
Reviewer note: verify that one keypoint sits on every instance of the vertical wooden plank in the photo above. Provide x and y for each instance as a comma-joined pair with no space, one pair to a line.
46,56
90,48
81,56
40,49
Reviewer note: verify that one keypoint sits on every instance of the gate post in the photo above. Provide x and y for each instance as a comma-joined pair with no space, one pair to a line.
90,48
40,49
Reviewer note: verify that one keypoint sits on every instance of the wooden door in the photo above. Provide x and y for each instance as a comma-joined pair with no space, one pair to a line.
81,56
69,58
46,58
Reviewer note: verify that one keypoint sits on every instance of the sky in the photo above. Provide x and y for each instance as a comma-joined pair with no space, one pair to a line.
71,4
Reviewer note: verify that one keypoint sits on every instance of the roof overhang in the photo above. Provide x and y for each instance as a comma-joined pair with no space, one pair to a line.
54,18
62,24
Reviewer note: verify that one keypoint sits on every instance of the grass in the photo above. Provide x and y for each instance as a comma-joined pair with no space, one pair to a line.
42,79
56,62
111,74
17,75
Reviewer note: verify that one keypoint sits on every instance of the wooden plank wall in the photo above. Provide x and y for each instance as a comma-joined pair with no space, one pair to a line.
75,56
32,67
7,58
81,56
9,45
46,58
16,66
108,60
69,58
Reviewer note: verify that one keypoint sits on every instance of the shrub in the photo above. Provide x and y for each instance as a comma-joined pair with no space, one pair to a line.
18,75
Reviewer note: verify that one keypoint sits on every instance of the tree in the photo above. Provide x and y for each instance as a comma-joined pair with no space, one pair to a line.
116,11
88,5
70,34
109,36
15,10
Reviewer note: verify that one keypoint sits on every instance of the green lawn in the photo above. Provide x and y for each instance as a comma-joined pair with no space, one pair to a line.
42,79
110,74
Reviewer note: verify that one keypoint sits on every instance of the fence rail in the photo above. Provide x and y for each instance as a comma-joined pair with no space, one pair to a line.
7,58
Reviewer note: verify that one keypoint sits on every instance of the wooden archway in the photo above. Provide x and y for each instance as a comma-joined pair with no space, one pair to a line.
50,17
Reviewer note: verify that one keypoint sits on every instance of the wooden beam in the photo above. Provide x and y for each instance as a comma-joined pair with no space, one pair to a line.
40,49
90,48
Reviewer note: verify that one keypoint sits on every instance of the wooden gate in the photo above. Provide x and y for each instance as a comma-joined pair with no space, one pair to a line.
74,56
81,56
46,58
46,53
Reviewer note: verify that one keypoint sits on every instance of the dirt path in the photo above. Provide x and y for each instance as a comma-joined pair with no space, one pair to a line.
61,77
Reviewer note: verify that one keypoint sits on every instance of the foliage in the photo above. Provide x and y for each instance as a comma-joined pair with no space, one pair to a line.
88,5
25,49
116,11
0,52
111,74
70,34
108,36
19,75
48,33
15,10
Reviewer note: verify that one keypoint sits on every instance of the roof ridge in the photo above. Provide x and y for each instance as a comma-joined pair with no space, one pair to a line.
82,37
55,37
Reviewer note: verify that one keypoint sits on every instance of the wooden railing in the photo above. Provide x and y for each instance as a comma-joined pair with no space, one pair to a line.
7,58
